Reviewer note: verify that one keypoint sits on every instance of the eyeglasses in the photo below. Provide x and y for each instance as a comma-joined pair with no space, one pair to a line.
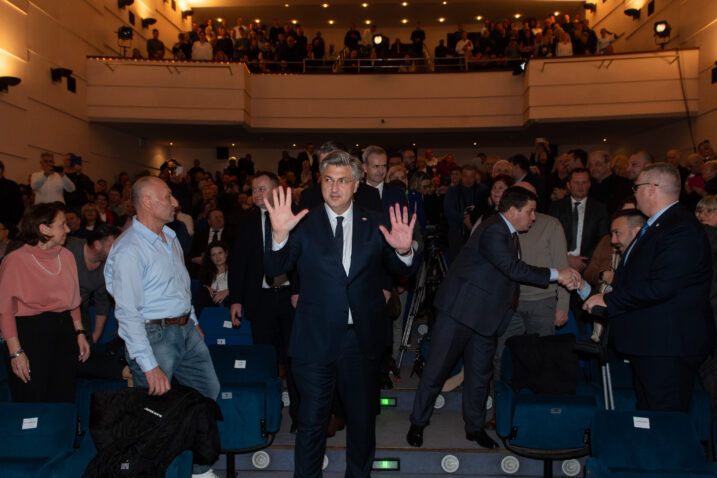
343,181
637,186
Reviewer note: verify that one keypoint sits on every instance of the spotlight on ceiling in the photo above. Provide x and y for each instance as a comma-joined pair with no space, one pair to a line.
589,6
187,13
125,33
633,12
124,3
59,73
7,81
146,22
662,33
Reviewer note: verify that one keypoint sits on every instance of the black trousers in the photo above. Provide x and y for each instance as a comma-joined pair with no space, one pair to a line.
50,344
664,383
450,340
272,325
355,378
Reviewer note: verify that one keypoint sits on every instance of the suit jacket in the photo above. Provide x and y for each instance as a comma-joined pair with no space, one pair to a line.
366,197
595,224
391,195
478,289
325,291
314,160
201,240
611,191
660,302
246,273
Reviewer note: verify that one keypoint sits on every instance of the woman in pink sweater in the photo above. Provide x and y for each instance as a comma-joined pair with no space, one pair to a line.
40,310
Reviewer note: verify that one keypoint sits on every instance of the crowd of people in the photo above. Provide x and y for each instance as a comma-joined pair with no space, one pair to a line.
262,243
285,47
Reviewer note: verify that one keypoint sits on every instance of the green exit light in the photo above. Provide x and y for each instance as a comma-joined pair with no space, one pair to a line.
388,401
387,464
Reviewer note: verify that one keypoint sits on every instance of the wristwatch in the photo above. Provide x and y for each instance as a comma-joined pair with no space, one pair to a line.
82,332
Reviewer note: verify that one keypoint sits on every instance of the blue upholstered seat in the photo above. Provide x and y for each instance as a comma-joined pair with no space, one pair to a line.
217,326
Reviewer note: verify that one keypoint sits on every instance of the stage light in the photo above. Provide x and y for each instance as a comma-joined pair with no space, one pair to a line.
187,13
633,12
7,81
146,22
662,29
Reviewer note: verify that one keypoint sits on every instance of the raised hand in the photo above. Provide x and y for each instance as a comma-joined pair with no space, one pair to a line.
283,219
401,233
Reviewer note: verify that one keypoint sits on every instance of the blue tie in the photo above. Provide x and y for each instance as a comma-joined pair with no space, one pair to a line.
643,230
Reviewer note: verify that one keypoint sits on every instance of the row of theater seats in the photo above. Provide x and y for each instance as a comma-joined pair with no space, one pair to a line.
53,439
549,424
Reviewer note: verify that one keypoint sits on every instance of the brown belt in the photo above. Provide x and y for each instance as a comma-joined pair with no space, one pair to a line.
175,321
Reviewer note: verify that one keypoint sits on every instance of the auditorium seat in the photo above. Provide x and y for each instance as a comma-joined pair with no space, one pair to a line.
250,398
216,324
633,444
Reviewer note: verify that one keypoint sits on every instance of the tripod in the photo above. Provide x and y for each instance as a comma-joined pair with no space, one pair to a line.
430,275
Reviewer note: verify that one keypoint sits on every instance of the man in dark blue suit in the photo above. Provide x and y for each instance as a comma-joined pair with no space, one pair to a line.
474,306
659,306
339,252
375,165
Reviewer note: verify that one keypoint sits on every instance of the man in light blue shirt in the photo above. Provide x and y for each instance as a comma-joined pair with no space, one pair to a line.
145,274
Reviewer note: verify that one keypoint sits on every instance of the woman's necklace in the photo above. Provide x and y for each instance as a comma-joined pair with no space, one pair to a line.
59,265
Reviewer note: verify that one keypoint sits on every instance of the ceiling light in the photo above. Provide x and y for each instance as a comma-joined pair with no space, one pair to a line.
479,17
556,13
662,29
368,22
294,21
404,4
364,5
405,20
441,20
475,143
286,5
517,15
219,20
445,3
257,20
233,144
604,140
293,145
146,22
331,22
633,12
325,5
171,143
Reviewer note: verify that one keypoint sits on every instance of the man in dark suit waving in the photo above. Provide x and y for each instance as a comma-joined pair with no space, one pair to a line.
339,251
659,306
474,306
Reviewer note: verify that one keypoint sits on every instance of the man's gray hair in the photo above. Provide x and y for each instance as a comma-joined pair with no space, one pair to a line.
342,158
370,151
666,175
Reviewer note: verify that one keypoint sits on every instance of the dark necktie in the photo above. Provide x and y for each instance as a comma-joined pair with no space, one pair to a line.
339,237
214,236
642,232
267,242
576,218
516,256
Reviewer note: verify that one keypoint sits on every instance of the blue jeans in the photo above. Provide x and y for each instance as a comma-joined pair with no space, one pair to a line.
182,354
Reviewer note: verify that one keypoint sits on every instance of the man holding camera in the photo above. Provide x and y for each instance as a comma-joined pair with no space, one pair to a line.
50,183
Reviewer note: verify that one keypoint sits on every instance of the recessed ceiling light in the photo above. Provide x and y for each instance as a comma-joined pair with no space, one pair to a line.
405,20
445,3
357,145
293,145
517,15
604,140
441,20
331,22
475,143
368,22
171,144
414,144
294,21
556,13
479,17
233,144
219,20
325,5
286,5
404,4
257,20
364,5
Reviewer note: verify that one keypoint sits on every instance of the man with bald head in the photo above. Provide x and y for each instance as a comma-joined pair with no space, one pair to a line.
145,274
659,307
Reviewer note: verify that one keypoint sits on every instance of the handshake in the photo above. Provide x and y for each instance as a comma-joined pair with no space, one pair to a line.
570,278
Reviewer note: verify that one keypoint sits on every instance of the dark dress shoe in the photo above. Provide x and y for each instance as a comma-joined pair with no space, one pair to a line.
482,438
414,437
